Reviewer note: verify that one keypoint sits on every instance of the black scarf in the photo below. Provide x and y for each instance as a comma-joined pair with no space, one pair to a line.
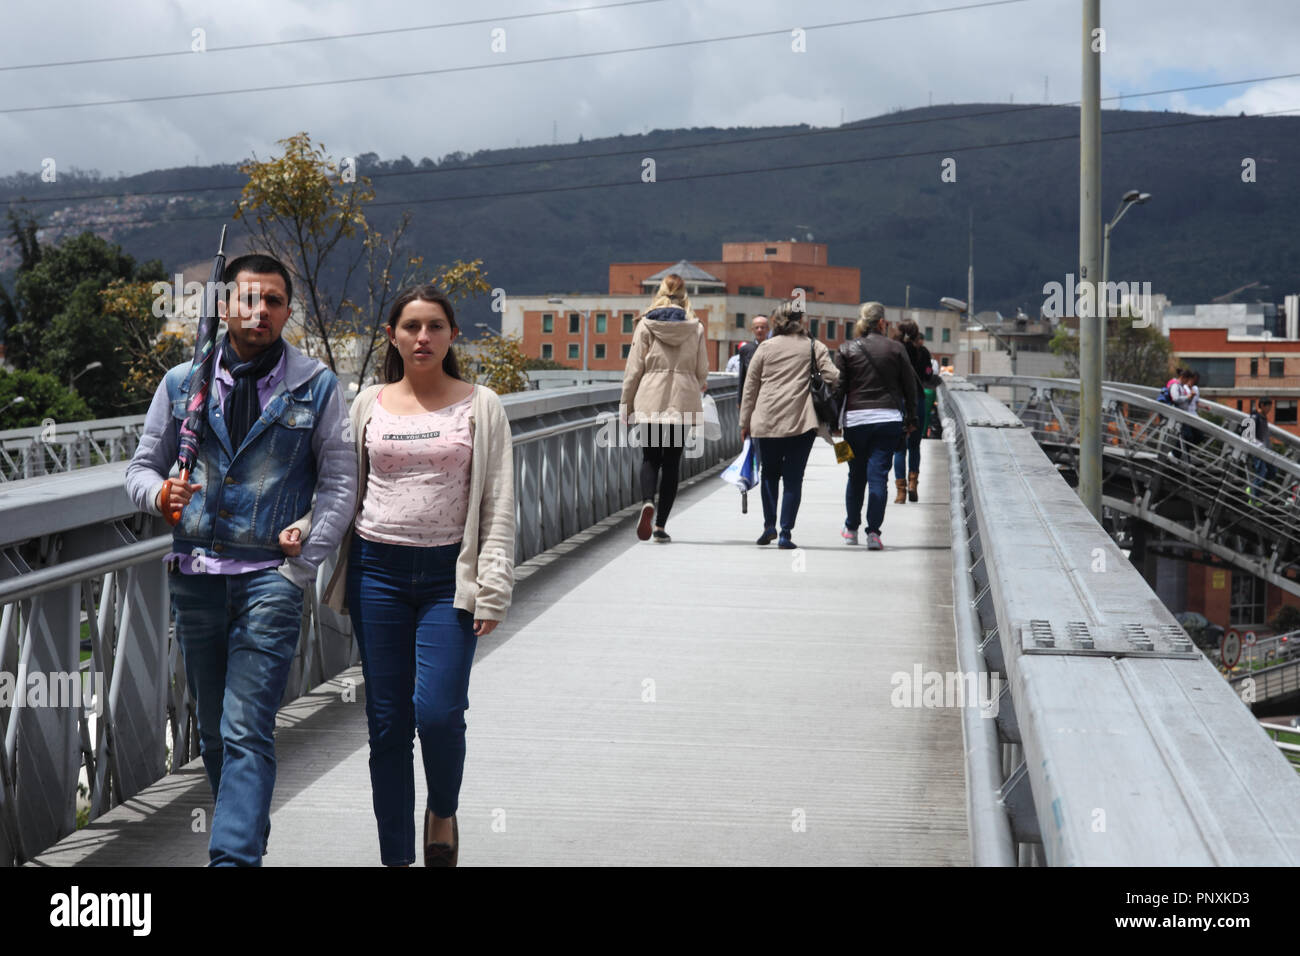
242,405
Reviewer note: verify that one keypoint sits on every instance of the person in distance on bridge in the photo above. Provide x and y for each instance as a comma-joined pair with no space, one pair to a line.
427,566
777,409
909,334
761,329
275,436
879,387
666,373
1263,471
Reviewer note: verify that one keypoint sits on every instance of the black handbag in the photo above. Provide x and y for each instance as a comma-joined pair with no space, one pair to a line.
822,398
902,406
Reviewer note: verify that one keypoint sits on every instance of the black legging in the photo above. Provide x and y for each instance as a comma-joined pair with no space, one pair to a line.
661,458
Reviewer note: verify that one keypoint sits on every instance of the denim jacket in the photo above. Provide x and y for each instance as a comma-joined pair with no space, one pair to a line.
300,446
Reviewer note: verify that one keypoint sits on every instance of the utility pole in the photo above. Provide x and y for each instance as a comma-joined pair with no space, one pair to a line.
970,272
1091,330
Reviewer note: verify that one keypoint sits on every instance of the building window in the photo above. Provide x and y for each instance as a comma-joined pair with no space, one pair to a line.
1284,413
548,351
750,290
830,329
601,320
1247,606
600,350
574,320
628,319
1254,368
812,327
626,349
929,333
548,323
947,335
1276,368
1216,372
1238,404
769,251
573,350
740,320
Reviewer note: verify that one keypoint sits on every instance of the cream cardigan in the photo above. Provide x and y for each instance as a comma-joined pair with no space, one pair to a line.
485,566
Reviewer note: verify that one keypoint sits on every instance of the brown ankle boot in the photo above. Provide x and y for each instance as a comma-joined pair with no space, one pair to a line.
912,477
902,491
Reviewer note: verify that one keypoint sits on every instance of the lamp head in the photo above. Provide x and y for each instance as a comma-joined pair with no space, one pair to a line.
1132,195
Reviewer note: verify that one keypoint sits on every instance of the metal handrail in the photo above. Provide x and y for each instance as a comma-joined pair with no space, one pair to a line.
1113,721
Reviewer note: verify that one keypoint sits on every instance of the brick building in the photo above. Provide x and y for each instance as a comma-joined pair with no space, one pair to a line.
751,278
1237,369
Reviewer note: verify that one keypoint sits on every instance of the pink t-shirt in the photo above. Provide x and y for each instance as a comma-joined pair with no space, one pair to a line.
418,490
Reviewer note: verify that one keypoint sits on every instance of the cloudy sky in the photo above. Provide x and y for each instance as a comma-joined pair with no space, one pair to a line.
485,96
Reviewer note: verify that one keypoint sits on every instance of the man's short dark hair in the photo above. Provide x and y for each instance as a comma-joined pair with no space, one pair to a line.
260,264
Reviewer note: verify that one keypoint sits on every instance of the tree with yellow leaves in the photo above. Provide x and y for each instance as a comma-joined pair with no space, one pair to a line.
309,212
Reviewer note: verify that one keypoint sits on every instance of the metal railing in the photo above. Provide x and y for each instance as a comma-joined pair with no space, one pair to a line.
79,566
1186,478
56,447
1115,740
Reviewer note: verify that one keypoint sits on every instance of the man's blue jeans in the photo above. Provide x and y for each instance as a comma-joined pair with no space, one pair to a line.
416,652
873,447
237,633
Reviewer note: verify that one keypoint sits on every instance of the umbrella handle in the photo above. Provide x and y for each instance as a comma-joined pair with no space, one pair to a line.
173,515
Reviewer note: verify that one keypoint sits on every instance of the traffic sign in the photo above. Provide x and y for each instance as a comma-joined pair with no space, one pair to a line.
1249,638
1230,649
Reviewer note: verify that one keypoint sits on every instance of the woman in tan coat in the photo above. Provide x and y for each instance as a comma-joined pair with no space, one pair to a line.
777,410
667,371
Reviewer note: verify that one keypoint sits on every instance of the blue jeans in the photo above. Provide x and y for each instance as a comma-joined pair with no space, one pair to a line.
783,460
913,450
237,633
873,446
416,652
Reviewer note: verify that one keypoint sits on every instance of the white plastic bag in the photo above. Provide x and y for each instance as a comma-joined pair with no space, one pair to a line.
712,424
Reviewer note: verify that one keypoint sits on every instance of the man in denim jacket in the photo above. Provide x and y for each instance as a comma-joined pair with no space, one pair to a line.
277,434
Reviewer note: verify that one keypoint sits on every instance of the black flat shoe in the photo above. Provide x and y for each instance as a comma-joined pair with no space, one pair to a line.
440,854
767,537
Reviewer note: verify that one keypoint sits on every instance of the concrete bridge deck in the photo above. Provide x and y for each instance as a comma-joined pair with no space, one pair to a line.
771,681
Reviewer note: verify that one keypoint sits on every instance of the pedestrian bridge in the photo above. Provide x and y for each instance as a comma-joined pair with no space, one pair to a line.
998,687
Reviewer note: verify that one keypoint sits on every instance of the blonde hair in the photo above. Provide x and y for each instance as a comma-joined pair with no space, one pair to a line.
671,294
873,314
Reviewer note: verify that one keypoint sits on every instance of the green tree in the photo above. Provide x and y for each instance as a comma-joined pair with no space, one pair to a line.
1136,354
44,397
501,364
23,229
147,351
62,326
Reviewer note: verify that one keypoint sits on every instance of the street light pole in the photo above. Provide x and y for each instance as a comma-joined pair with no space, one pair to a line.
1091,331
1131,198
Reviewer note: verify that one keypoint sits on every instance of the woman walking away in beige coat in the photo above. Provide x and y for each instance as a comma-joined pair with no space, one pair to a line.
667,370
777,410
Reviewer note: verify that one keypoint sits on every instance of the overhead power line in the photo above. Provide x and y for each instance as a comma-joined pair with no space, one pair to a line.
722,174
322,39
734,141
409,74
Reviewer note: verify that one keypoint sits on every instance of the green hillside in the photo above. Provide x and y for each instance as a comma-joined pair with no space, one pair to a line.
538,229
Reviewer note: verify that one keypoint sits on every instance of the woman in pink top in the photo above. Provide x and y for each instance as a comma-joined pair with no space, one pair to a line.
429,567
